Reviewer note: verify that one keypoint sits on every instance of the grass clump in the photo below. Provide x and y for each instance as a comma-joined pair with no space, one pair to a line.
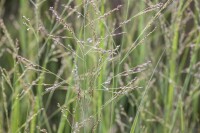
99,66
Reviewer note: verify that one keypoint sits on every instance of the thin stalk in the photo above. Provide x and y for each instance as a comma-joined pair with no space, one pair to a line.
172,65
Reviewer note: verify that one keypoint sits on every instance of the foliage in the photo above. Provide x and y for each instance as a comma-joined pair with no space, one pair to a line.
100,66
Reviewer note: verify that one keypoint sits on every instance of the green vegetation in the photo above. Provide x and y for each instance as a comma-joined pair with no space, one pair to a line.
111,66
